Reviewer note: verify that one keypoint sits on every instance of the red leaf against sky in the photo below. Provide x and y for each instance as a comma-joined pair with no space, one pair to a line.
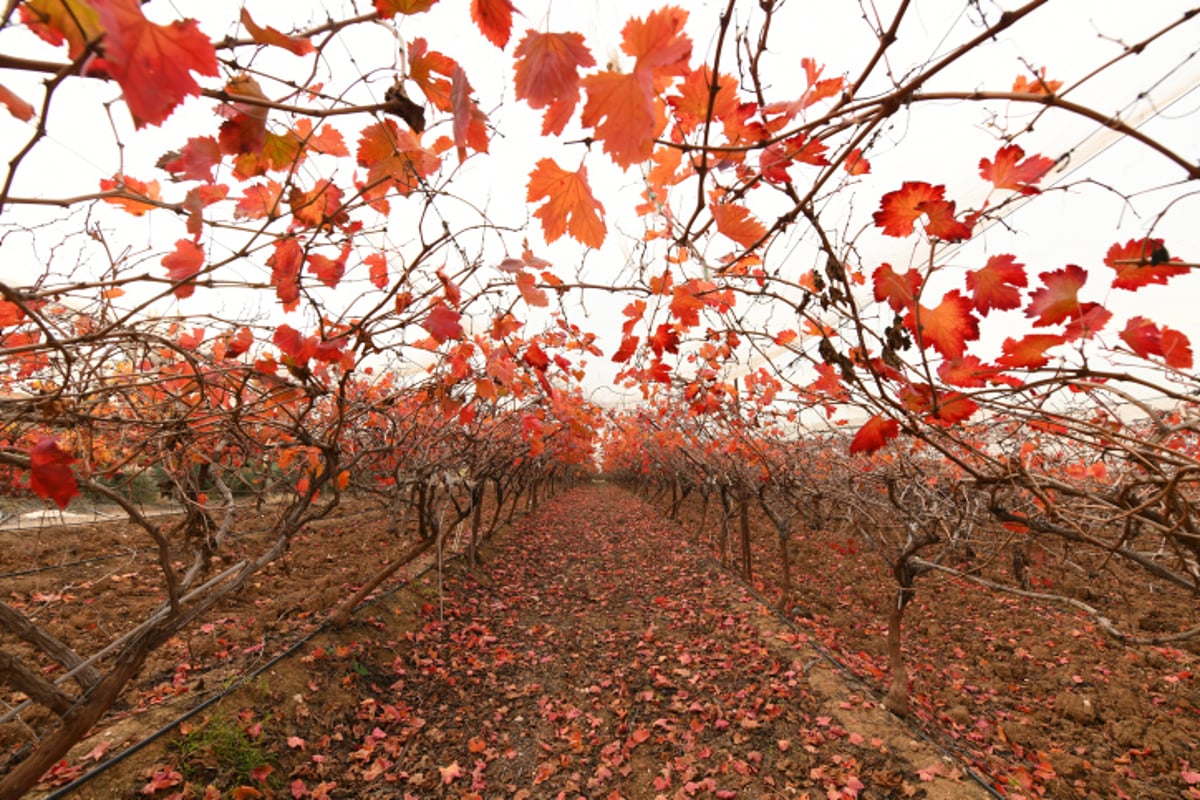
1028,352
195,161
536,357
1087,324
470,126
629,344
15,105
183,263
818,88
152,63
443,323
622,111
1038,85
1147,339
1141,262
874,434
997,284
941,223
547,75
50,476
527,286
1008,171
377,264
737,223
56,21
285,264
685,305
328,270
259,201
394,159
898,210
319,207
329,141
948,327
569,205
268,35
424,68
855,164
967,372
390,8
291,343
691,104
494,18
10,314
131,186
658,42
899,289
1058,300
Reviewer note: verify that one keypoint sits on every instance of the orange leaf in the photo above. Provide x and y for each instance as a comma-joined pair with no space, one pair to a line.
941,223
874,434
152,63
621,109
735,222
691,105
50,476
494,18
182,264
569,207
898,210
1028,352
378,270
390,8
658,42
855,164
329,141
296,44
1141,262
629,345
328,270
56,21
1059,300
1039,84
900,289
134,187
526,284
996,285
394,159
1009,172
547,75
15,105
285,265
424,67
1146,339
195,161
948,327
259,201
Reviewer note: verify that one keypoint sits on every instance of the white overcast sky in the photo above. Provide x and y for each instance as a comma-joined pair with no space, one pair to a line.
940,145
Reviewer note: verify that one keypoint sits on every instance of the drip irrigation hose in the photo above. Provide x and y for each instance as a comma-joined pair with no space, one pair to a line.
103,767
69,564
850,676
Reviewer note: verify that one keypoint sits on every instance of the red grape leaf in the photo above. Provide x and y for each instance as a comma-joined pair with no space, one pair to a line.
1141,262
736,222
948,327
329,141
259,201
1028,352
424,67
898,210
900,289
183,263
691,105
1008,171
658,42
443,323
378,270
195,161
394,159
1147,339
535,357
1039,84
874,434
855,164
941,222
268,35
131,186
1059,300
285,264
56,21
320,207
152,63
494,19
569,205
15,105
547,75
50,476
1090,322
390,8
328,270
470,124
629,344
953,408
622,111
996,284
526,284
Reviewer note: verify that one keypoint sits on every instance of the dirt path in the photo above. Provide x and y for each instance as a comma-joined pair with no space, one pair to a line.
601,657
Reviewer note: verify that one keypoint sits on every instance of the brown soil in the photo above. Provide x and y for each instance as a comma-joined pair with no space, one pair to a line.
595,654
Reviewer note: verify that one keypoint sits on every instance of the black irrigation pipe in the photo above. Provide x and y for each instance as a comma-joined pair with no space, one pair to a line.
100,769
69,564
851,676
